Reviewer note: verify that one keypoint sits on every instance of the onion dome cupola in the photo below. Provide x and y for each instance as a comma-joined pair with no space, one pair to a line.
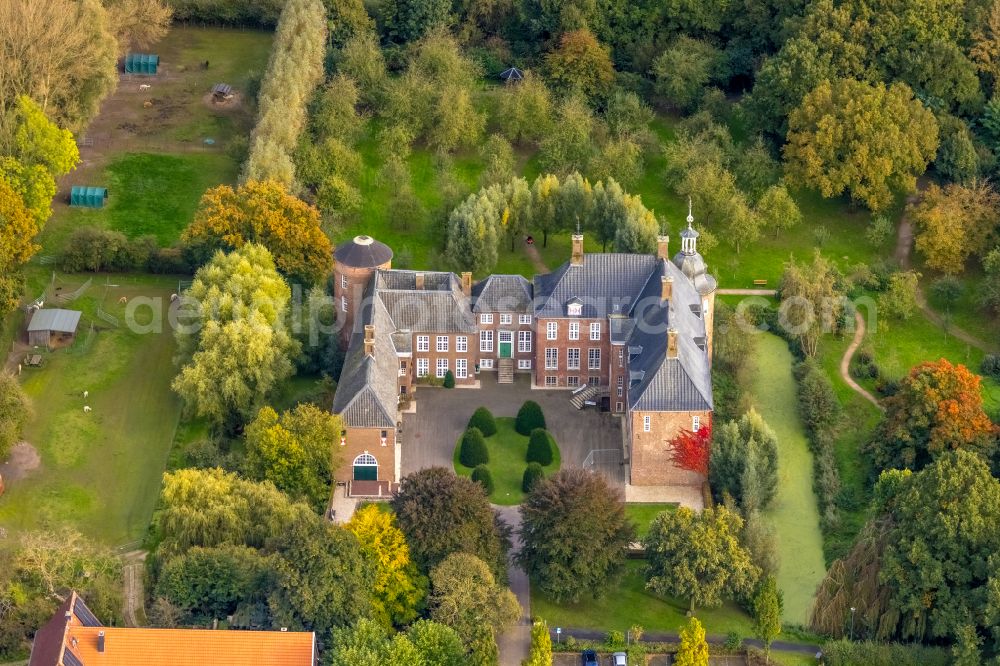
690,261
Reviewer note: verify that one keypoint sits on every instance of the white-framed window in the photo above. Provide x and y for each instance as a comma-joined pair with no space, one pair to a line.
647,423
461,343
574,309
550,380
343,303
574,330
595,330
486,363
593,381
524,341
618,406
524,320
621,358
423,366
621,385
442,367
486,318
505,336
573,358
485,341
594,358
402,368
695,423
551,330
442,343
343,282
621,392
506,318
461,368
423,343
524,364
572,381
551,358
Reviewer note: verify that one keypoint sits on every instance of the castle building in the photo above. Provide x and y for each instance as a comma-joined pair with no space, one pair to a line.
631,333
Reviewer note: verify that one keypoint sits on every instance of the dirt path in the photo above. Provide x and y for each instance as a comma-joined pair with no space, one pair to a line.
845,362
23,460
132,574
536,259
746,292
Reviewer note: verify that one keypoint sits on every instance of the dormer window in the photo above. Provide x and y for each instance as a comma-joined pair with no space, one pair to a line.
574,308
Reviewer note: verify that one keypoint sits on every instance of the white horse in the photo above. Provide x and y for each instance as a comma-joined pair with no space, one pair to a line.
86,393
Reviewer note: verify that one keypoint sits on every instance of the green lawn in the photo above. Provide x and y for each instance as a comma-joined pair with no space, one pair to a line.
642,515
794,514
508,449
629,603
100,471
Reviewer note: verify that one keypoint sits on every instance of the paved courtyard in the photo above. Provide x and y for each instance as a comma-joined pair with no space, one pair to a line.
429,435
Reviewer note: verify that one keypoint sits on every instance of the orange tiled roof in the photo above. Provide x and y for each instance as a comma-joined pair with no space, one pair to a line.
126,646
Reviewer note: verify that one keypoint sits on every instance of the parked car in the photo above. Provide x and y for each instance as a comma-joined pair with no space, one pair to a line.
619,659
589,658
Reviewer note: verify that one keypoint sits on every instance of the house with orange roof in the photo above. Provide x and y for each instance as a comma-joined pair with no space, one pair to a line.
75,637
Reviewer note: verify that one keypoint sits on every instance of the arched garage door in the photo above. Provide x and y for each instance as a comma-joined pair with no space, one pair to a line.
365,468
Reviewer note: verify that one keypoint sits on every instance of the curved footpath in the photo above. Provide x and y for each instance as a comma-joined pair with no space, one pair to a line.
845,362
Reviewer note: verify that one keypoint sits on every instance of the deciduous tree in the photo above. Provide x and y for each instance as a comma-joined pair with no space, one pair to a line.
567,147
811,300
137,24
693,649
684,70
690,450
698,556
18,228
465,596
524,111
580,64
15,410
955,222
439,645
744,462
866,140
767,605
210,583
573,534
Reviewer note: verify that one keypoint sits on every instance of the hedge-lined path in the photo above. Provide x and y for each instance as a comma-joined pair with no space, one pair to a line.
515,643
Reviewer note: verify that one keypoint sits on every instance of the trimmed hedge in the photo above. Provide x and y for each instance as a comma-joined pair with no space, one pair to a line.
529,417
481,475
820,410
483,419
473,451
847,653
449,380
533,473
540,447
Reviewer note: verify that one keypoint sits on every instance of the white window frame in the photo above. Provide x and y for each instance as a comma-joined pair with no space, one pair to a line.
647,423
461,368
595,330
402,368
574,330
621,392
695,423
423,343
551,330
441,344
423,367
523,341
486,318
485,364
621,358
551,358
461,344
486,341
573,381
524,364
619,406
441,368
506,318
594,358
524,320
551,380
343,282
573,358
343,303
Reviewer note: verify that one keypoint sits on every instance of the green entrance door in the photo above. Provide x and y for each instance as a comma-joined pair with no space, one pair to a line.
506,344
365,468
505,349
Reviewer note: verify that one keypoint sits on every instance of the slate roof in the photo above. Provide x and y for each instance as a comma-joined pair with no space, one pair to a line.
54,319
432,311
502,293
606,283
362,252
71,637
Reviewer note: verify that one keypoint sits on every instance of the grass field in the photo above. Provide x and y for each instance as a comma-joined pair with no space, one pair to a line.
100,471
794,514
642,515
508,449
629,603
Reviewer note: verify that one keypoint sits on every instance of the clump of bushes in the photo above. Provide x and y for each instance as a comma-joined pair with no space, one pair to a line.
472,451
481,475
102,250
483,419
540,447
533,473
990,367
449,380
820,410
529,417
844,652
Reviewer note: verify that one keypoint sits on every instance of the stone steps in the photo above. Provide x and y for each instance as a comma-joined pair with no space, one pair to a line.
505,371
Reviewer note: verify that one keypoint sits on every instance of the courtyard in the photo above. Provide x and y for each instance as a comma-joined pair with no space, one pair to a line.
429,435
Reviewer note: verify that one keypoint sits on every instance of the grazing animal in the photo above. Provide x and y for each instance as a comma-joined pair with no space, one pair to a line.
123,299
86,409
85,394
143,86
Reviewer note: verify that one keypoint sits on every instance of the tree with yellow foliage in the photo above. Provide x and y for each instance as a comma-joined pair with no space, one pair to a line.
17,232
693,650
398,588
263,212
954,223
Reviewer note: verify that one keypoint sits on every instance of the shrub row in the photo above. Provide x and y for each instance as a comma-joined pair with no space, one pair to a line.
262,13
293,72
95,249
865,367
819,410
847,653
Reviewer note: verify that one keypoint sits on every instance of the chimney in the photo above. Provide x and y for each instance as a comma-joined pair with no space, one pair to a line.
419,277
467,284
671,342
577,258
100,641
369,340
666,288
662,247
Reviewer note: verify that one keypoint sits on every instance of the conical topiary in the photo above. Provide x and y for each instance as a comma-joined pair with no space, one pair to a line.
483,419
540,447
529,417
473,448
533,473
449,380
481,475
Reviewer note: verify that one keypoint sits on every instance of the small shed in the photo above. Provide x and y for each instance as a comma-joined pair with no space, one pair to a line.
141,63
89,197
53,326
222,91
512,75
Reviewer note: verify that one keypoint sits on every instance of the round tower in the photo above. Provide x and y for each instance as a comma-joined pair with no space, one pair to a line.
355,262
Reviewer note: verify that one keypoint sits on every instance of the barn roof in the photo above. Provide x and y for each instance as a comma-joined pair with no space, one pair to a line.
54,319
